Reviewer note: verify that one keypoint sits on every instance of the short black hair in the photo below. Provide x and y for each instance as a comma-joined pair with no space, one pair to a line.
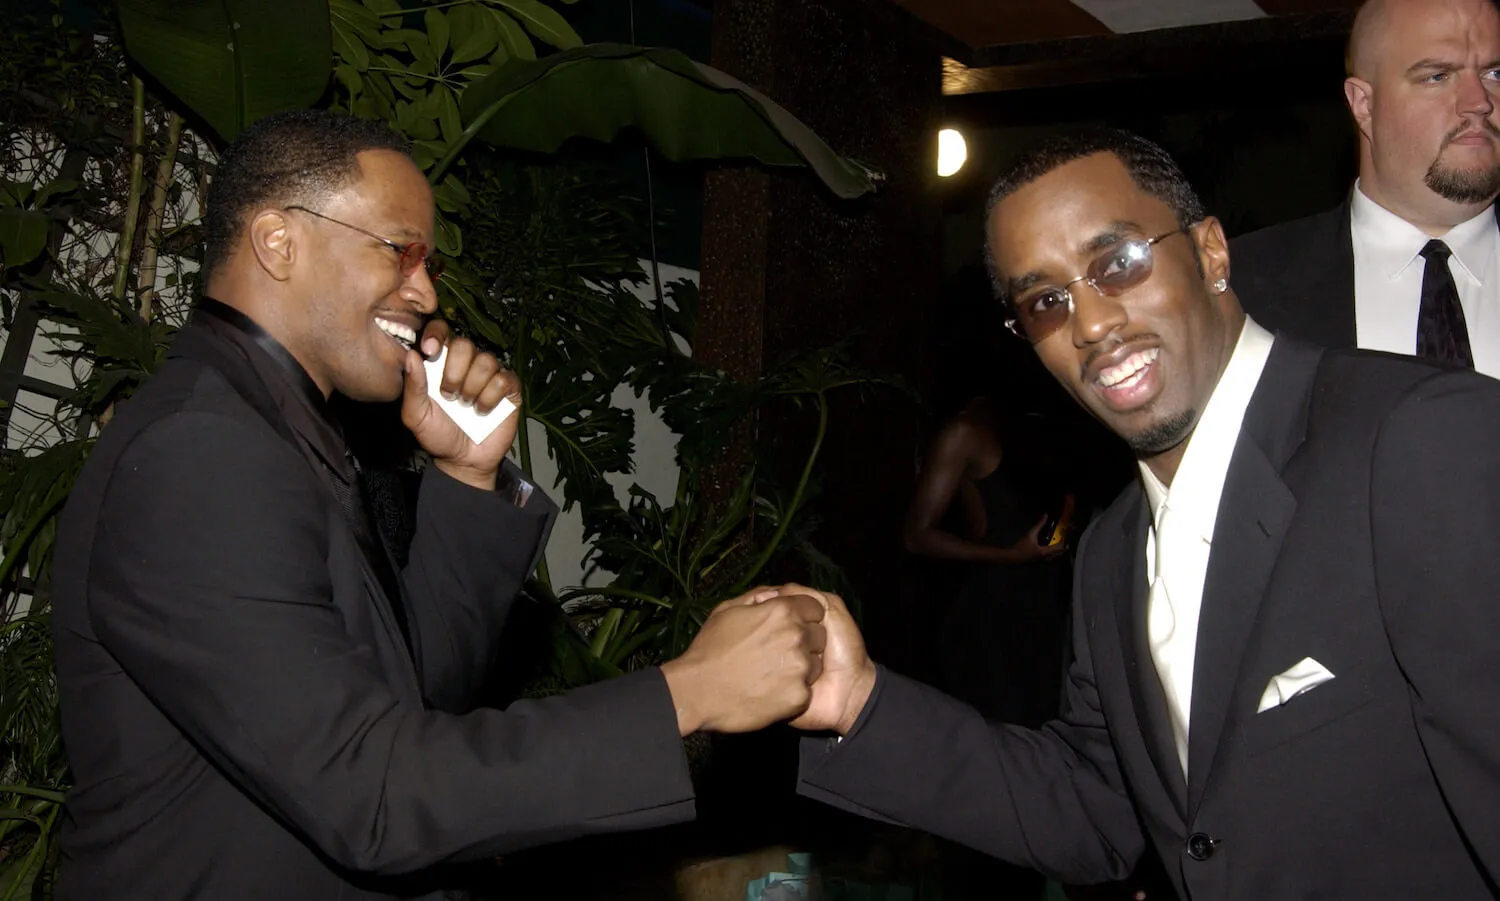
297,157
1152,168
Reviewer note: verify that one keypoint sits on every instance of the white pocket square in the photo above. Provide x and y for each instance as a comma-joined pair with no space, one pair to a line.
1304,676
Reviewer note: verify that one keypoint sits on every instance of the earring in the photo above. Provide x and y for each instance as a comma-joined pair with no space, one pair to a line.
1221,285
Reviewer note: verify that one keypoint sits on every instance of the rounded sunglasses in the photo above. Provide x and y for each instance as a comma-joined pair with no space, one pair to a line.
1118,269
412,255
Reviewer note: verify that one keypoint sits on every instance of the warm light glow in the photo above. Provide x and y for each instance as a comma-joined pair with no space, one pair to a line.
952,151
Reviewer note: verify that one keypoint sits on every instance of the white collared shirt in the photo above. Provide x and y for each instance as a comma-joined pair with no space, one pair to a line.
1388,269
1182,520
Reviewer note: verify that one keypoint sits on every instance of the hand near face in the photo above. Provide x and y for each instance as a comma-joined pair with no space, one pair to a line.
473,377
841,692
750,665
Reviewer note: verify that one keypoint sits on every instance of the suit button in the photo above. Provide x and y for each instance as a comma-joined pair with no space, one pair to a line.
1200,846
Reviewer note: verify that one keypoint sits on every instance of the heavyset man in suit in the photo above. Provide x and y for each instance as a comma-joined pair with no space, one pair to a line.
256,704
1285,637
1410,263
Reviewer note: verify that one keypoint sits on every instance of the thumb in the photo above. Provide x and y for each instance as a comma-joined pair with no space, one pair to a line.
414,398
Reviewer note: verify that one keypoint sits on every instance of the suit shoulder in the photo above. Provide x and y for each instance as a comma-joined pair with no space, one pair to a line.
1113,523
1280,240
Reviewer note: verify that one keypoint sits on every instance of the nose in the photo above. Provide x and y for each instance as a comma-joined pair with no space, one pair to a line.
418,290
1095,316
1474,97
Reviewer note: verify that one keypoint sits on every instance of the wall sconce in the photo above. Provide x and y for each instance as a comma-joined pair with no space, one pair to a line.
952,152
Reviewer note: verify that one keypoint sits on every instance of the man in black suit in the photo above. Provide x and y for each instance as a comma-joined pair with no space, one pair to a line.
256,703
1285,637
1410,263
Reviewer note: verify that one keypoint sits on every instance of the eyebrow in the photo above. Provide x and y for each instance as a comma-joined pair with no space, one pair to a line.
1432,65
1110,236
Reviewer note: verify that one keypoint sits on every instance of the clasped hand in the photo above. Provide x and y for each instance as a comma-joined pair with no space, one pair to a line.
786,653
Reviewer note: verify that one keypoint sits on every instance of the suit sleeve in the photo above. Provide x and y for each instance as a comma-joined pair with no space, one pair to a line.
1050,799
472,552
210,586
1435,507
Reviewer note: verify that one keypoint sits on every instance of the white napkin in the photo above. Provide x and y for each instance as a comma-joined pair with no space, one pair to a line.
468,419
1304,676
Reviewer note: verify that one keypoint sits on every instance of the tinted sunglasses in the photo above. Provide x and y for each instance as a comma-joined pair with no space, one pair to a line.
1040,312
412,255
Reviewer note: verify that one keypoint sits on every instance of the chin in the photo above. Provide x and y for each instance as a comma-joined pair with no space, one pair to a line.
1162,435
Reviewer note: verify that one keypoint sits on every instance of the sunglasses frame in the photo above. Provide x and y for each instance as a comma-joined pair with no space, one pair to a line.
428,257
1014,322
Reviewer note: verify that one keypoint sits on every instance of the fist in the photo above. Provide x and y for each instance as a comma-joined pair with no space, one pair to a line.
751,664
471,377
848,677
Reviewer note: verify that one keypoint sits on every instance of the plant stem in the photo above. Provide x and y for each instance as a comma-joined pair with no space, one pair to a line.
145,284
133,204
406,73
523,434
791,511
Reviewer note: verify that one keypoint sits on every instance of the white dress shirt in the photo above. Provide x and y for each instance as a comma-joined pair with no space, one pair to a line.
1388,269
1181,535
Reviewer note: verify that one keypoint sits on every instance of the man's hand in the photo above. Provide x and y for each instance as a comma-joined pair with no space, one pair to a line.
475,378
841,693
750,665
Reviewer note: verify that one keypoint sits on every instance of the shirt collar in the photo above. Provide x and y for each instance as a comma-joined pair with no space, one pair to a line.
1199,476
1393,244
298,397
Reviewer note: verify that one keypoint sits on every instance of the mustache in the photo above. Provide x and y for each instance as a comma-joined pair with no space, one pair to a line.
1485,125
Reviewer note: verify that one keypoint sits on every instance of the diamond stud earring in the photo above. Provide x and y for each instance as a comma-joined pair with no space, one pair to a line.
1221,285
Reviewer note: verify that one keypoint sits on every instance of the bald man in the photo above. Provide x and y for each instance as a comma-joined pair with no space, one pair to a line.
1410,263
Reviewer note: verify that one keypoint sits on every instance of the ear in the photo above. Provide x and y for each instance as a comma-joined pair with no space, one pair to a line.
270,234
1360,95
1213,249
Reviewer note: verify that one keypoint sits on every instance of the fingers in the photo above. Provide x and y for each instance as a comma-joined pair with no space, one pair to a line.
471,376
808,609
434,335
815,637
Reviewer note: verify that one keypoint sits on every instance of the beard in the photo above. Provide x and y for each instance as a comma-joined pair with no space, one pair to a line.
1162,436
1465,186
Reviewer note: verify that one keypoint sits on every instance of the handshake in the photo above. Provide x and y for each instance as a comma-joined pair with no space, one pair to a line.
772,654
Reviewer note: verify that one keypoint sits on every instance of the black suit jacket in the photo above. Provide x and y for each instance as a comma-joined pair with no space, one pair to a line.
1358,527
243,717
1298,277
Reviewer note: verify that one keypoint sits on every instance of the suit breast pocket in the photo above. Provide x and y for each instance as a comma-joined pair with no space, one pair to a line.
1319,707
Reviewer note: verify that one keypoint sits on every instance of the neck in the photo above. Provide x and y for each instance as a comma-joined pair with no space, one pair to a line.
266,315
1164,465
1432,214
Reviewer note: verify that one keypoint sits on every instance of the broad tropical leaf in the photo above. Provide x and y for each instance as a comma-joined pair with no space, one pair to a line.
233,61
686,110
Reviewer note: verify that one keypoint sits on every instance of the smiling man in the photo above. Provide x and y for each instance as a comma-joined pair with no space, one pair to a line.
1285,636
1410,263
257,704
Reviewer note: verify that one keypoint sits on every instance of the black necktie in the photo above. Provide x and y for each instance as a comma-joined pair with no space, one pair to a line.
1442,333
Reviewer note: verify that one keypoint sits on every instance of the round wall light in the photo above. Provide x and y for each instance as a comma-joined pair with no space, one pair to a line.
952,152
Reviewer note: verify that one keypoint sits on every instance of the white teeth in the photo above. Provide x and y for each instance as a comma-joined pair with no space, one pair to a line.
405,334
1127,368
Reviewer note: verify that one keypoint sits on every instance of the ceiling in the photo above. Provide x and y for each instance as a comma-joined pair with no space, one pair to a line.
979,24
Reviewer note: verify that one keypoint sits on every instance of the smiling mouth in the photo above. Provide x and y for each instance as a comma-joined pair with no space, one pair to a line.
1129,371
404,335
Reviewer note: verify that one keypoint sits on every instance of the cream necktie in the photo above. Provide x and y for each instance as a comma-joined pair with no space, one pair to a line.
1161,629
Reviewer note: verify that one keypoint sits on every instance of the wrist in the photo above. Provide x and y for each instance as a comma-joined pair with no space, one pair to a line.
483,479
859,696
680,682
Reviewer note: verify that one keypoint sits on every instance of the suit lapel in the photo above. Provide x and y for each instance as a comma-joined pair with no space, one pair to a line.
1146,693
200,342
1255,511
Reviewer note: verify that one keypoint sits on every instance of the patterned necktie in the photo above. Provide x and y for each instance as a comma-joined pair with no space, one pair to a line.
1442,333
